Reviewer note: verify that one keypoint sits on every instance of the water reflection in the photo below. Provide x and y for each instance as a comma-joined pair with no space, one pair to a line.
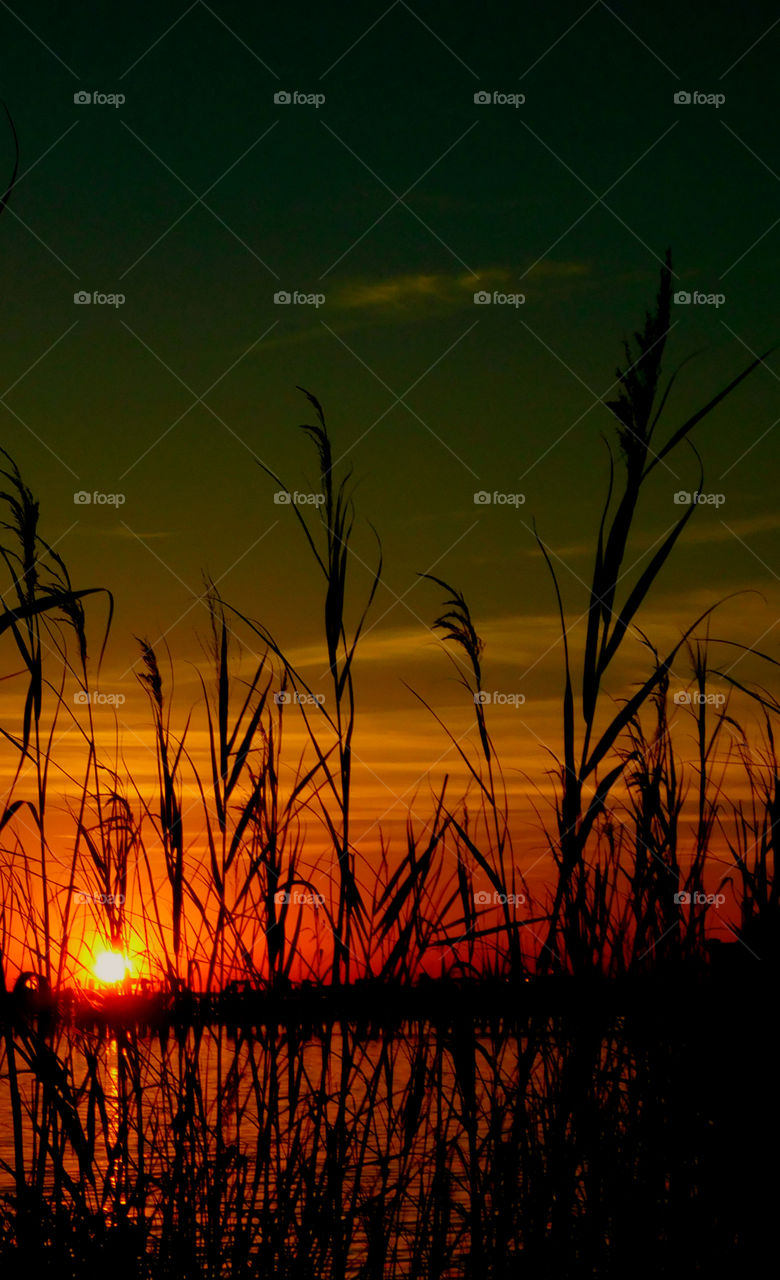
114,1193
396,1155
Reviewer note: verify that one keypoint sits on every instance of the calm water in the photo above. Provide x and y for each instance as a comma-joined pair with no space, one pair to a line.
376,1131
428,1153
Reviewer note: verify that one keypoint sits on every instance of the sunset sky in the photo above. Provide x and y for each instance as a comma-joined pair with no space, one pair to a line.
392,201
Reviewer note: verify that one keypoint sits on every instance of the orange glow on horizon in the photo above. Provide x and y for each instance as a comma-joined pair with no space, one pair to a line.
111,967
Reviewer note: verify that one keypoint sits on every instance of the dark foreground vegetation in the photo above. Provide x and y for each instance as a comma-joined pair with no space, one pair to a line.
571,1143
584,1088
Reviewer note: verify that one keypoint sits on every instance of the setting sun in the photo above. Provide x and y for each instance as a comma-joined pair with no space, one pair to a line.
111,967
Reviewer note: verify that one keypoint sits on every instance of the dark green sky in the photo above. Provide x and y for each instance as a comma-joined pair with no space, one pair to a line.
306,198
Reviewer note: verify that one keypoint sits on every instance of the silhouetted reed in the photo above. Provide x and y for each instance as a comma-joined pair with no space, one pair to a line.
547,1104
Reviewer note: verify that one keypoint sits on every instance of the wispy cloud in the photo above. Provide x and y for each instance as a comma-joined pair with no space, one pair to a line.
410,290
126,534
708,532
439,289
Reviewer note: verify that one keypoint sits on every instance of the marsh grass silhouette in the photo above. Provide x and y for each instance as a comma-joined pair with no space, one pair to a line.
552,1104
